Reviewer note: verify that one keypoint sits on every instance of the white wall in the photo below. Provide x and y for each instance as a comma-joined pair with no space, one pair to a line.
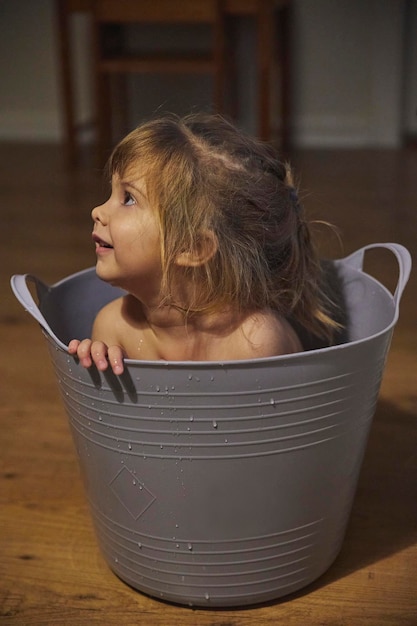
348,72
29,97
410,83
348,64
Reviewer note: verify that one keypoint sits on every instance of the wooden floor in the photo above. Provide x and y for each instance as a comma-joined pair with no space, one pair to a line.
51,571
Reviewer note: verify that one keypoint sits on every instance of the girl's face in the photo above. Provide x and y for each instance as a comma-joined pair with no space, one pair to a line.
127,238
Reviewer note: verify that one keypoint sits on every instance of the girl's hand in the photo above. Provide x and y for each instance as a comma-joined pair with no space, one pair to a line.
97,352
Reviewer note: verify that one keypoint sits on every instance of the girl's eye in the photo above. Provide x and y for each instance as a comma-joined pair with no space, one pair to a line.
128,199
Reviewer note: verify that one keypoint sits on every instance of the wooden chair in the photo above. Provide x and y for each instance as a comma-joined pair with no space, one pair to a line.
113,61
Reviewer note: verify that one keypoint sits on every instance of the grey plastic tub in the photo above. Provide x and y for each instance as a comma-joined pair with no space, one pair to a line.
222,484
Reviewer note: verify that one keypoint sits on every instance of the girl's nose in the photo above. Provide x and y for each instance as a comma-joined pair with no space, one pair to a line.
98,214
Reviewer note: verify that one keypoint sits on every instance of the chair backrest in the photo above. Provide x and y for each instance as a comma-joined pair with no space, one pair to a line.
157,11
116,54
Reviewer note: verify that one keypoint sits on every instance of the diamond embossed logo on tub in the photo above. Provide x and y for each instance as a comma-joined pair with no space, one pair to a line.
134,496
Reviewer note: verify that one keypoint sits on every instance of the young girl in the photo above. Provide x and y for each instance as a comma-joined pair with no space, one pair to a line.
204,231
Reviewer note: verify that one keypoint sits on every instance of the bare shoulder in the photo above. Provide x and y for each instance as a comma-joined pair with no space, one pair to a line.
112,308
269,334
120,322
108,321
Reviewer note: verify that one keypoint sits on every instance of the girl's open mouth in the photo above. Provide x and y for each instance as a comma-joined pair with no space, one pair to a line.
100,243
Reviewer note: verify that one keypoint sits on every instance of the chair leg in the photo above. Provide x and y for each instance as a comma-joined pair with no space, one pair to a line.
219,46
102,99
103,117
265,36
284,44
231,99
120,105
111,90
67,93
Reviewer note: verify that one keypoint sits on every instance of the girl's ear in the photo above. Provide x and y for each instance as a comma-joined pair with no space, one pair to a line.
204,250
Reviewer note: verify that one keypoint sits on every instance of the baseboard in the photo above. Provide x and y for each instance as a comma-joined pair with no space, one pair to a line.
30,126
341,132
308,131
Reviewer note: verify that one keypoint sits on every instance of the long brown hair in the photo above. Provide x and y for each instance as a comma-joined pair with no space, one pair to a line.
204,175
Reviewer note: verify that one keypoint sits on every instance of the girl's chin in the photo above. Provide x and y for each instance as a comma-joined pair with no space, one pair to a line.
107,276
110,278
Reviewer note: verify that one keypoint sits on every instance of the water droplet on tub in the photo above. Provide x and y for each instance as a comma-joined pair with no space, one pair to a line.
207,596
191,418
139,545
272,401
190,546
214,424
129,446
158,388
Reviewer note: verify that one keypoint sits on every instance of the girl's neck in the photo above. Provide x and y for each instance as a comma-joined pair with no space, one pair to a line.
175,318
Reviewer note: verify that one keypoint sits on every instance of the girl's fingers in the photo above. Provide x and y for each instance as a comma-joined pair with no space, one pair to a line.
98,351
89,351
73,346
115,358
84,352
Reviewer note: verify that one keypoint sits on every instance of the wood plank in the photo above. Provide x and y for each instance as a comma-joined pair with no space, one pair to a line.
51,569
157,11
233,7
169,64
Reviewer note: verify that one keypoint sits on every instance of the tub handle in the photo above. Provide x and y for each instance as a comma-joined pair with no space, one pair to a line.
19,285
402,255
